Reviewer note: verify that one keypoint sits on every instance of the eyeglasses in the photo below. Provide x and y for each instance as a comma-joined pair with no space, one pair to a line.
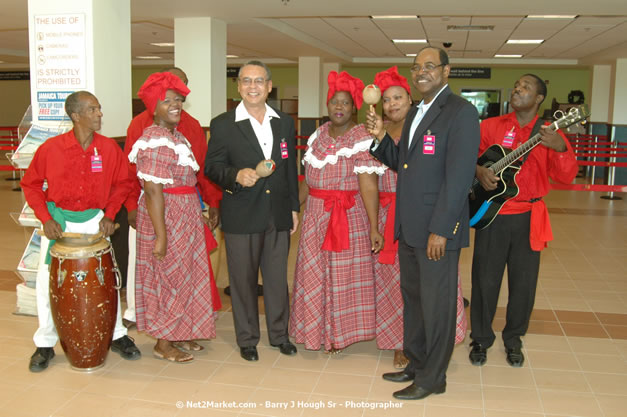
428,67
246,82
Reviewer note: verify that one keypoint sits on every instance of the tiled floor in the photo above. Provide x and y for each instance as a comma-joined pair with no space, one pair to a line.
576,349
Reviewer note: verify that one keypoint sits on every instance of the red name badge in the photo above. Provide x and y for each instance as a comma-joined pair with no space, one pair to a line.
428,145
284,153
96,162
508,139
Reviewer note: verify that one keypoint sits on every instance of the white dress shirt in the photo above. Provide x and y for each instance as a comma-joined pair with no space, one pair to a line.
422,110
263,130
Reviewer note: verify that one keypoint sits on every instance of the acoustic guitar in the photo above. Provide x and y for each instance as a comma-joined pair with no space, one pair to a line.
506,163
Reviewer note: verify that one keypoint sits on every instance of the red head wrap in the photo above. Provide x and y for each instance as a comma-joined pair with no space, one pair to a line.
157,85
390,78
345,82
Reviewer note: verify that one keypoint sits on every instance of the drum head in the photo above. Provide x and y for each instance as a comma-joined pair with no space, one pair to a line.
78,247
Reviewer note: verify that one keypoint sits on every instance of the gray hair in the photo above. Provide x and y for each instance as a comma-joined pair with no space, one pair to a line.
73,102
257,64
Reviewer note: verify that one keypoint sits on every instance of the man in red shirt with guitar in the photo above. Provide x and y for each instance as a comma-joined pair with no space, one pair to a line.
511,219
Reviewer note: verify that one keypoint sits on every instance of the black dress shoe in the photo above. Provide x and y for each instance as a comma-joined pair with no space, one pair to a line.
478,355
249,353
40,359
414,392
515,357
286,348
401,376
125,346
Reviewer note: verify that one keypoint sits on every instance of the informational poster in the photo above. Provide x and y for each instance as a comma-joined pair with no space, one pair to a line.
60,47
52,105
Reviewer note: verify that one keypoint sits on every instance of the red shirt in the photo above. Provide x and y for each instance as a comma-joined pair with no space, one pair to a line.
542,162
191,129
71,183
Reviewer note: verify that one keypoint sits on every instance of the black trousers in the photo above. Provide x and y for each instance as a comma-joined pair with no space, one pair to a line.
504,242
119,242
429,290
246,254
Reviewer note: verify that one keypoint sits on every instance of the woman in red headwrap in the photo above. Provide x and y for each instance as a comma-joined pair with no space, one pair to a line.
173,294
333,297
397,102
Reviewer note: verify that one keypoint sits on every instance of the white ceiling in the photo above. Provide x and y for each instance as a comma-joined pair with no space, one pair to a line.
279,31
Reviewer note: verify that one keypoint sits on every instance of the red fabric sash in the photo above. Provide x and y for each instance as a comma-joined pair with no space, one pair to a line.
337,202
540,226
388,254
210,244
180,190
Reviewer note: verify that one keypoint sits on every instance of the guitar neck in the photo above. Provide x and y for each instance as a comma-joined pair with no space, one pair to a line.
519,152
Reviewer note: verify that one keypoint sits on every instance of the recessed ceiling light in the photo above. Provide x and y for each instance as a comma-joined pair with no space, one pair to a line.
470,28
524,41
409,40
411,55
232,56
148,57
507,56
163,44
551,16
394,17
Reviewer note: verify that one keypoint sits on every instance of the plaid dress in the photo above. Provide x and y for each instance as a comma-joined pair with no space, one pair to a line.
173,295
333,297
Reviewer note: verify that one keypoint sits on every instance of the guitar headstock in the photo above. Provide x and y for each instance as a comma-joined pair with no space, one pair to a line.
575,114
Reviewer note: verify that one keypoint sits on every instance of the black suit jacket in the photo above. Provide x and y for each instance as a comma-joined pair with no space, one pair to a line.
233,146
432,190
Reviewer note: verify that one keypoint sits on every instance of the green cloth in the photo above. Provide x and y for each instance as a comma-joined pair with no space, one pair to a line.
61,216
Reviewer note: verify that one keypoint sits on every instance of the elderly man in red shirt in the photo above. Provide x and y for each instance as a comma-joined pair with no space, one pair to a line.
209,192
84,197
521,228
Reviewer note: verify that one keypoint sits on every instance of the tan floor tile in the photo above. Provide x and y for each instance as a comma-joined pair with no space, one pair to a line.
168,391
613,405
18,328
215,351
506,376
267,357
607,383
399,409
616,307
585,330
118,384
463,373
570,403
556,343
278,403
614,319
503,413
552,360
458,395
18,348
352,364
63,377
147,365
616,332
212,392
561,380
350,386
248,375
602,363
48,400
576,317
139,408
323,405
544,327
199,371
381,390
97,404
368,347
595,346
432,410
565,284
203,412
305,360
289,380
9,390
543,314
512,399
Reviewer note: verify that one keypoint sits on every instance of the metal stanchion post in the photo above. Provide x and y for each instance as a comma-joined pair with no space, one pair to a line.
612,169
594,158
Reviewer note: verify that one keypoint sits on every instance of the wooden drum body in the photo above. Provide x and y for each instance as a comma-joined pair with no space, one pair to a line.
83,299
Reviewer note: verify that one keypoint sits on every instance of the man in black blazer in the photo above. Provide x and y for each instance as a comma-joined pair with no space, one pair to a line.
258,214
435,160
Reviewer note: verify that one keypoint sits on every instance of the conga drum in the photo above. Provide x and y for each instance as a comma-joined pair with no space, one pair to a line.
83,299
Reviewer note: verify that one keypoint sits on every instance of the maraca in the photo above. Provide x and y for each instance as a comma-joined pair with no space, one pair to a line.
372,95
265,168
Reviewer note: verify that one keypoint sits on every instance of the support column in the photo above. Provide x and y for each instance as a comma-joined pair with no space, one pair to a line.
81,45
200,51
326,69
600,97
618,108
309,86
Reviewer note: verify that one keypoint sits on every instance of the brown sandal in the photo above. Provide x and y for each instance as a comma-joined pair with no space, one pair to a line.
400,360
175,355
333,351
188,345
